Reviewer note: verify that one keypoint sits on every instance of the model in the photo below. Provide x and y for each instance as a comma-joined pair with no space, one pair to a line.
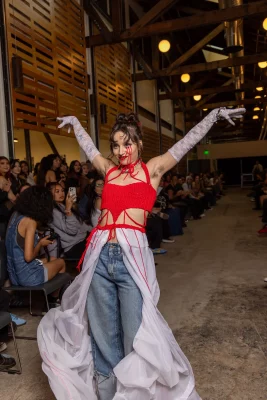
131,353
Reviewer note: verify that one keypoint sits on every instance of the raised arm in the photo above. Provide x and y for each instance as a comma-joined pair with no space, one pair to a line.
159,165
86,143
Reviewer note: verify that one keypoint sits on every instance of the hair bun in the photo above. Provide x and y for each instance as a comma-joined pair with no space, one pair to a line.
130,118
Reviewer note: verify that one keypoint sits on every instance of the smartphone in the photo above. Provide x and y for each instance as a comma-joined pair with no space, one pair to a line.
73,193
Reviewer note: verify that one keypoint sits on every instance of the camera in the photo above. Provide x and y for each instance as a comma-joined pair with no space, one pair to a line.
52,234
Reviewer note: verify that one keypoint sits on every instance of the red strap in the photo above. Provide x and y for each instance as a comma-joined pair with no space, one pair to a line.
146,172
109,172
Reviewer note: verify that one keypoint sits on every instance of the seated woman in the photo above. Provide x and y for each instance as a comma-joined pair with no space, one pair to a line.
26,174
90,203
34,206
16,180
67,224
7,197
49,170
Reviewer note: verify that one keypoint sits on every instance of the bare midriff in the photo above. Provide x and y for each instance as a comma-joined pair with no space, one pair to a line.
131,217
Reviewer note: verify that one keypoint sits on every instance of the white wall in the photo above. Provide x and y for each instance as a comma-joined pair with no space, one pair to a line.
39,147
233,150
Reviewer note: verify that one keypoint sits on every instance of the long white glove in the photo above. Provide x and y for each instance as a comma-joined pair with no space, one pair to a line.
200,130
82,136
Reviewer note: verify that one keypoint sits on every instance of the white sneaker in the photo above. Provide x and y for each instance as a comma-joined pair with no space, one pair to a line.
202,215
3,346
265,280
168,240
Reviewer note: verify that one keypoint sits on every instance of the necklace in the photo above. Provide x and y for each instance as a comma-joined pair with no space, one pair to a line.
129,168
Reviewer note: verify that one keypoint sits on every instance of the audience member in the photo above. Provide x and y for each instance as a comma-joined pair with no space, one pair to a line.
34,206
90,203
15,178
26,174
7,197
49,170
67,224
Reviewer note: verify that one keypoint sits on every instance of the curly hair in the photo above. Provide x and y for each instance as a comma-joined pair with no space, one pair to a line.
46,165
36,203
130,125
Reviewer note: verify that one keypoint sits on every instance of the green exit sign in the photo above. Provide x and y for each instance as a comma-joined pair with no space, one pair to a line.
206,152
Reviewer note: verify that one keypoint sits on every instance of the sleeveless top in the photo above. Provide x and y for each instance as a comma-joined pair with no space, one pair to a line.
117,199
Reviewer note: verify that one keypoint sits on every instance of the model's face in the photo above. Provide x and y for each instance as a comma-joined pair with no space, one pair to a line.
125,151
77,167
99,185
85,169
4,167
16,169
24,168
58,194
56,163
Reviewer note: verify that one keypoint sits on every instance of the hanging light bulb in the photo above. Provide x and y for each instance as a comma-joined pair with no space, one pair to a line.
205,109
255,117
185,78
262,64
256,109
257,97
264,24
164,46
197,97
259,88
16,140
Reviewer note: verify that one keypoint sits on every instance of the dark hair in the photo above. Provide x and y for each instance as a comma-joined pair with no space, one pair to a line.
92,196
71,169
50,186
5,158
36,168
130,125
46,165
23,186
36,203
13,162
21,164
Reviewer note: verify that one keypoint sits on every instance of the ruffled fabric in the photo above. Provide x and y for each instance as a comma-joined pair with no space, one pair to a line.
156,369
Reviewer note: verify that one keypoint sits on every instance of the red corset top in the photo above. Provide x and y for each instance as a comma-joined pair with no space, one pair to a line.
116,199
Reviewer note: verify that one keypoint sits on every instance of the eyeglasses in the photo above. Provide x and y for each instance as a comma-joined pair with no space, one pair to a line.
99,185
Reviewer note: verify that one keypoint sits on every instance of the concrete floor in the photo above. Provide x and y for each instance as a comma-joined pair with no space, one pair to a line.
213,297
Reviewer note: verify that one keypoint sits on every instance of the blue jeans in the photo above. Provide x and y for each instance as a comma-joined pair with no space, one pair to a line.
114,307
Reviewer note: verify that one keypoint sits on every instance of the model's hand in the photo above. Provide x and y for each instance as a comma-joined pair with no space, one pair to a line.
66,121
228,114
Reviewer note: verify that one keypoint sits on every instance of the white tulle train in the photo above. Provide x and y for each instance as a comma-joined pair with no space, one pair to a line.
156,369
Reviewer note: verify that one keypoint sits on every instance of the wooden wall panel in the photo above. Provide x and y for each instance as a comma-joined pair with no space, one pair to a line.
113,83
49,37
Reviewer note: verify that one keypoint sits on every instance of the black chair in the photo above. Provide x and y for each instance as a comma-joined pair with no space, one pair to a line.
5,319
47,288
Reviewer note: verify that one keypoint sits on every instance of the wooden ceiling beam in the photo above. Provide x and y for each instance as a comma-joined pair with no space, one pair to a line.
180,24
105,33
209,66
198,46
116,13
210,96
151,15
225,104
221,89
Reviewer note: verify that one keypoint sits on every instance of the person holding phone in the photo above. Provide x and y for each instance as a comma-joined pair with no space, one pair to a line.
34,207
67,223
131,353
